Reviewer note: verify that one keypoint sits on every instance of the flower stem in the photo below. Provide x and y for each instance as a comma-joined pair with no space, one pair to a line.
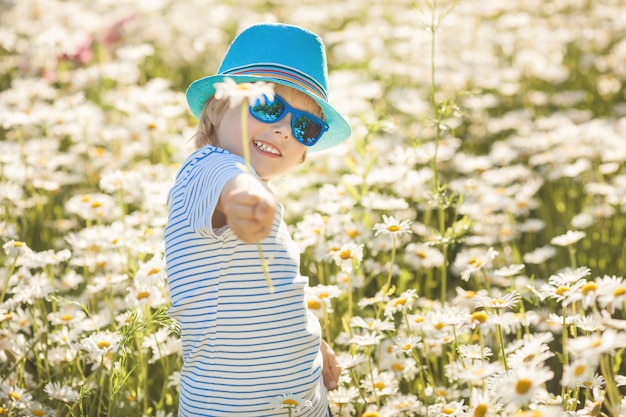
246,157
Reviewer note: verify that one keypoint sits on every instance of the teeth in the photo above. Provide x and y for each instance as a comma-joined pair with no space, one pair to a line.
266,148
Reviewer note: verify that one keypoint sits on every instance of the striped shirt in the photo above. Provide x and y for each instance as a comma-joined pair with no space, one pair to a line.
243,346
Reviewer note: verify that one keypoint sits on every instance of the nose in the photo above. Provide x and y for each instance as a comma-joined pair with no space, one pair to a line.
282,127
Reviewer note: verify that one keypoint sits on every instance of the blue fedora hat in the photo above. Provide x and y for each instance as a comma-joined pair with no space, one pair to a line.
281,54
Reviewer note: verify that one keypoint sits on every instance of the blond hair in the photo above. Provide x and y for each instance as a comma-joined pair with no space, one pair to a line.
214,109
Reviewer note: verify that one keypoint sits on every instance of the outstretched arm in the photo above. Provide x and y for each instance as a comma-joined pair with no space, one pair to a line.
247,206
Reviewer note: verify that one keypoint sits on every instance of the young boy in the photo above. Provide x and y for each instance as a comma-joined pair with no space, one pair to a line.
248,350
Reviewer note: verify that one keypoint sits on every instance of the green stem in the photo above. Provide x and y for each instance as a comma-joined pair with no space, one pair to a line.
246,157
5,287
371,372
502,348
391,262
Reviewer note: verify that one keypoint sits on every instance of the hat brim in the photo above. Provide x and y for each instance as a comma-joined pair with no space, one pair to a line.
338,127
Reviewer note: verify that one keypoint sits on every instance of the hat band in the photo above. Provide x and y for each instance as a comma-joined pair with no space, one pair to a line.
281,73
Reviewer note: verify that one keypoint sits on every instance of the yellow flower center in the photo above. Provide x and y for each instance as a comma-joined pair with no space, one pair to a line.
14,396
154,271
421,254
38,413
143,294
96,204
66,317
370,414
523,386
475,262
589,287
18,244
290,402
448,410
580,369
379,385
314,304
562,290
103,344
393,228
345,254
619,291
399,302
480,410
323,295
439,325
353,234
398,367
479,316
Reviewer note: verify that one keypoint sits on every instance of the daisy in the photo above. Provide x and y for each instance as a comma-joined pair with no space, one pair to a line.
348,256
99,344
319,298
474,373
452,408
533,352
17,397
422,256
152,272
68,314
403,303
539,255
392,227
567,239
36,409
343,395
383,383
402,405
310,230
349,361
470,261
522,384
509,271
506,301
611,292
16,248
594,345
475,352
294,403
579,373
56,391
236,93
370,339
372,325
406,344
481,404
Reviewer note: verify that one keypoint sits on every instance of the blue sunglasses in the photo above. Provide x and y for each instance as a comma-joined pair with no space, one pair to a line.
305,127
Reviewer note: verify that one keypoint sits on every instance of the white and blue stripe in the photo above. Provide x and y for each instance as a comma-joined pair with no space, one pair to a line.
243,346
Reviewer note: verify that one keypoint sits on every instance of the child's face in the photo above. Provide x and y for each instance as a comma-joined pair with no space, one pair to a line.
273,149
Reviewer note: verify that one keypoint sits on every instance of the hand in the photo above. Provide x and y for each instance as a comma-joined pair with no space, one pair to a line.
249,207
331,369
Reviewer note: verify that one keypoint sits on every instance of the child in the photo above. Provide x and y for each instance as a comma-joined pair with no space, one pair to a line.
248,350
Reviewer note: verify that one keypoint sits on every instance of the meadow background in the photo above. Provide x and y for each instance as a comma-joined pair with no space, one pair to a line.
465,248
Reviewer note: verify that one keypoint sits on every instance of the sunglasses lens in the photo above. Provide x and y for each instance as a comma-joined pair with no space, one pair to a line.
305,127
306,130
268,112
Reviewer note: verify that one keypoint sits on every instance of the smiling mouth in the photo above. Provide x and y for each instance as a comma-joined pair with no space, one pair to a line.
266,148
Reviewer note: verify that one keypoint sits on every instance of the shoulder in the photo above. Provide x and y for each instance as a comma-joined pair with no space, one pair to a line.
210,158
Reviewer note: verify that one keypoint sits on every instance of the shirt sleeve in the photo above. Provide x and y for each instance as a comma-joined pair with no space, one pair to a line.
202,179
